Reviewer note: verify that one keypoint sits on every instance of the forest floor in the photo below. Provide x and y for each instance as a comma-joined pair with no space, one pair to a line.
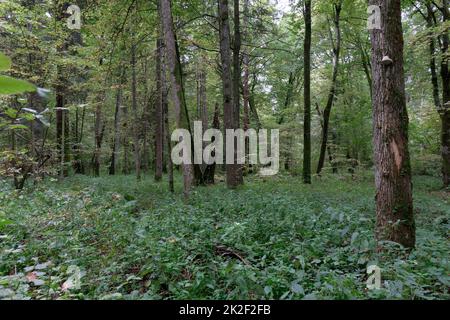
115,238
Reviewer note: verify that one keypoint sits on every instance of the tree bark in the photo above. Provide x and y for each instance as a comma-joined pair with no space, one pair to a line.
117,120
211,169
232,170
136,124
332,93
307,95
62,129
246,80
176,78
237,79
432,48
394,205
159,128
126,140
445,110
99,129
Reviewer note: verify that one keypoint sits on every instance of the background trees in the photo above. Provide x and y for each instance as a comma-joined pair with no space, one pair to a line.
138,69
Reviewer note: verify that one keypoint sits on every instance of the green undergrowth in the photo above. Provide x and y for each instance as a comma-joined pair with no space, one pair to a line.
115,238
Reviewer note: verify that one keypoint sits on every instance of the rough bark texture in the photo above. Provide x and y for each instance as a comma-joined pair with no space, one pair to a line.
179,101
332,93
159,129
394,206
233,171
307,95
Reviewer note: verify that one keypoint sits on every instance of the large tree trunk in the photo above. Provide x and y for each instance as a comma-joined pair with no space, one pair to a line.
332,93
394,205
307,95
233,171
176,78
159,128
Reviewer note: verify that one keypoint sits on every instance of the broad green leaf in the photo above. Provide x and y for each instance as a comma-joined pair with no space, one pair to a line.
18,127
29,116
12,113
10,85
5,62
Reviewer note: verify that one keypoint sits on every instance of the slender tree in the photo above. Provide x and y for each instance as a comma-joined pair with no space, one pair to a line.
445,110
246,79
337,7
134,105
159,129
117,120
307,94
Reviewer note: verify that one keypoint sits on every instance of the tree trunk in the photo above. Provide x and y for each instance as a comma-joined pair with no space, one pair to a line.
332,93
445,110
251,103
307,95
394,205
136,124
126,140
246,80
62,129
237,77
432,48
233,174
147,106
117,120
98,138
166,131
176,79
159,128
211,169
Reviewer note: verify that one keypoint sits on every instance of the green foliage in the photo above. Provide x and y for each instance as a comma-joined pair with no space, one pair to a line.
5,62
9,85
271,239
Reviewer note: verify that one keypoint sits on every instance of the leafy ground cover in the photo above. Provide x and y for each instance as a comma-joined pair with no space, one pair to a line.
115,238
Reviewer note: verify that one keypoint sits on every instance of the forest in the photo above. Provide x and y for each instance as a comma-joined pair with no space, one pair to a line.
224,150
